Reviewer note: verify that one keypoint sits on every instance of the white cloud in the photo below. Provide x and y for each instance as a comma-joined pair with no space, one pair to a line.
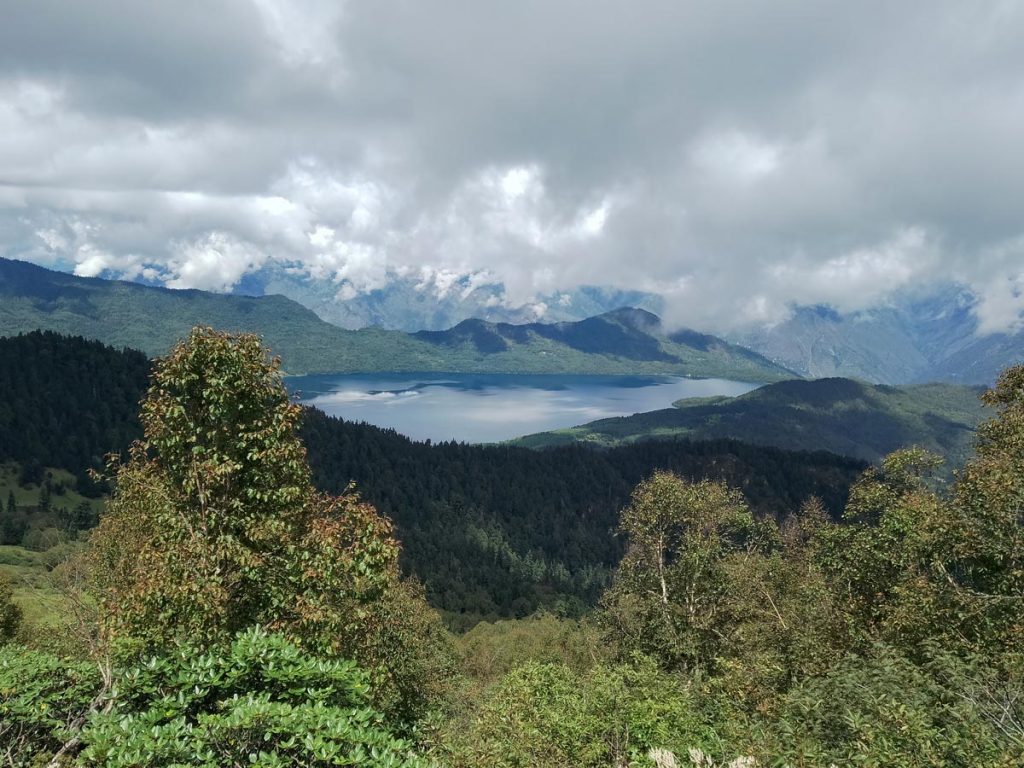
730,162
215,262
736,157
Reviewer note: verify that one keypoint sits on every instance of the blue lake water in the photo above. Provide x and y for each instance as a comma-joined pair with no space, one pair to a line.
483,408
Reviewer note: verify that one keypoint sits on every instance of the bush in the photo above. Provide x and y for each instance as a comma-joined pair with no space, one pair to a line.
549,715
10,612
43,701
258,700
881,709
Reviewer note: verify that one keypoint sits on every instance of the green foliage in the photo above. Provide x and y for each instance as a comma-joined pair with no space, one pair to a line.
10,612
548,715
498,531
983,540
490,651
258,700
214,525
43,702
880,709
667,597
784,625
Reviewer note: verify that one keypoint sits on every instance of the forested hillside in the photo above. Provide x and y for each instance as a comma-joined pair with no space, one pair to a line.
498,531
839,415
67,402
492,531
152,319
226,612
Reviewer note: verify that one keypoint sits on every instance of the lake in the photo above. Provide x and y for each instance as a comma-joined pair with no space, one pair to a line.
484,408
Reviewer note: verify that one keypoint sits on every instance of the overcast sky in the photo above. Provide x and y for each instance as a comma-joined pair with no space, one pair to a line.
736,157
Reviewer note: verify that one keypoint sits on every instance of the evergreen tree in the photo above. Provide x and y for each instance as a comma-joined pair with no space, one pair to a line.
45,497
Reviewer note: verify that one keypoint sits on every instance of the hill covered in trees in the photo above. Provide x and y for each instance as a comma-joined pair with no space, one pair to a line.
226,612
838,415
152,319
491,530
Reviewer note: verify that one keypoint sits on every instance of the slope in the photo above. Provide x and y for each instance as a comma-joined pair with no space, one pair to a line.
838,415
151,319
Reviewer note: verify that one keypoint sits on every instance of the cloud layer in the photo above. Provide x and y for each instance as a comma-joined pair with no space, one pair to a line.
736,158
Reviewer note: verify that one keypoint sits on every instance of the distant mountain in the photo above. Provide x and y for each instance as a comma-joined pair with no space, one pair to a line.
151,319
915,340
838,415
435,302
626,340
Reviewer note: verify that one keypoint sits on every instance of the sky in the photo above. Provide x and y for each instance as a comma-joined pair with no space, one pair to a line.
737,158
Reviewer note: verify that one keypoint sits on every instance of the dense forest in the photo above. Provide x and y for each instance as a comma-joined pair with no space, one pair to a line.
66,402
227,612
499,531
491,530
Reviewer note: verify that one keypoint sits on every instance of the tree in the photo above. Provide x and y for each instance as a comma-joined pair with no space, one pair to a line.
878,561
983,540
911,566
666,599
214,525
10,612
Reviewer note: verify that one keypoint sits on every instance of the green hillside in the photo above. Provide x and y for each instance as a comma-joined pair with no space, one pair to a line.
152,319
838,415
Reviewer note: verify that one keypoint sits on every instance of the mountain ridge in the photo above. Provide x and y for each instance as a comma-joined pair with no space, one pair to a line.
840,415
124,314
915,339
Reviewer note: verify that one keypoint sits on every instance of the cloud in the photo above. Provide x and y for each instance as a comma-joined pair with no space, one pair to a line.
737,158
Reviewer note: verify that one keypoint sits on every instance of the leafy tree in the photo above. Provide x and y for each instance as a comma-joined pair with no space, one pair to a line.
214,527
878,562
882,709
983,539
785,624
666,600
911,566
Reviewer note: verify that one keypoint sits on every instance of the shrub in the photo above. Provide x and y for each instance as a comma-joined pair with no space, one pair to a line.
259,699
544,715
43,702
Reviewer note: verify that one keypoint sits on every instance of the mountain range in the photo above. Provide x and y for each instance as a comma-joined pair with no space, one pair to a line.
914,339
930,334
434,302
125,314
467,323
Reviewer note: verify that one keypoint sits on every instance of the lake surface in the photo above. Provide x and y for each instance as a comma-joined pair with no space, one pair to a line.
484,408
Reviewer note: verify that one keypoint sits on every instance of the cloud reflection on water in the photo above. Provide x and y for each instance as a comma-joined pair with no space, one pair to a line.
494,407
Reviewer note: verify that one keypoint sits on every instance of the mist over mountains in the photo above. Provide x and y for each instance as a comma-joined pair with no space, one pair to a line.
466,323
433,301
916,337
